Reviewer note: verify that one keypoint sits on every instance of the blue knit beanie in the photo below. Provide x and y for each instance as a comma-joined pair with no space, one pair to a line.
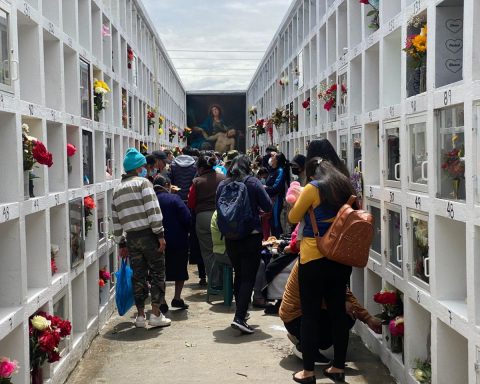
133,160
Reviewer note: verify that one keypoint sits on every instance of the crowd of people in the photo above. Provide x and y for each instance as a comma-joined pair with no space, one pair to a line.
212,209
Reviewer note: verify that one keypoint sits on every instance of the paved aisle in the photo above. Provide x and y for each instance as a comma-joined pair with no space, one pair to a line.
200,347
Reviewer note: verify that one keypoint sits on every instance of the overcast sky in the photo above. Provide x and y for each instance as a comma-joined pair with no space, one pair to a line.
206,25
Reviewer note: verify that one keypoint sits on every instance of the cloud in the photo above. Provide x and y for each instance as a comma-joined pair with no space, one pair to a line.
216,25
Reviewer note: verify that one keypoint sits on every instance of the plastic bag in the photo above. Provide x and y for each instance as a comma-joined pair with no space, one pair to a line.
124,288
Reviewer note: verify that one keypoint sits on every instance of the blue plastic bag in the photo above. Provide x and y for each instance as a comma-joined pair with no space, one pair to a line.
124,288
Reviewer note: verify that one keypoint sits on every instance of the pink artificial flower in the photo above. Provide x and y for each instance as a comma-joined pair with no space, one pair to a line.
396,326
7,367
364,2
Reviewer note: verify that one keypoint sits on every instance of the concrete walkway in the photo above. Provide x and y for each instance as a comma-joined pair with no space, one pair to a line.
200,347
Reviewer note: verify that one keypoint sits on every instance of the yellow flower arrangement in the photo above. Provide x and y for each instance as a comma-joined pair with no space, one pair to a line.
416,44
100,86
419,42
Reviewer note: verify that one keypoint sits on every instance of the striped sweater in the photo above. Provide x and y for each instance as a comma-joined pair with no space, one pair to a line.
135,207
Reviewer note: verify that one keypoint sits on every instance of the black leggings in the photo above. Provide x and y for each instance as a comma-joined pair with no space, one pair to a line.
323,279
245,257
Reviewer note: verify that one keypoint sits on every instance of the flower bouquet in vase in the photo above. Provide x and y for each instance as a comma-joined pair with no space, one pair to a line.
89,206
7,369
454,166
416,50
34,151
45,334
397,329
100,89
392,309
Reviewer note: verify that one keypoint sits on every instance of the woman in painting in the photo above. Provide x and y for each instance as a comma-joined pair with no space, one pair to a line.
212,125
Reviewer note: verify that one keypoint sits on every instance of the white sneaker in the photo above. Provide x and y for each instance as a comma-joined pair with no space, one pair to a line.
159,321
140,322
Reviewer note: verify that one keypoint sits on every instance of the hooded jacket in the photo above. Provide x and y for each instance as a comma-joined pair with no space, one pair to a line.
182,172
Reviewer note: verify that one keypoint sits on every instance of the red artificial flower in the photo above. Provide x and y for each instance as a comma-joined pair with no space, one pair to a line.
364,2
344,88
53,356
71,149
306,103
329,104
150,115
386,298
101,283
65,328
332,89
53,266
89,203
41,155
49,341
55,321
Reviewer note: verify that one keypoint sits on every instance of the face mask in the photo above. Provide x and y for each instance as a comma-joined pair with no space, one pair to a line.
143,173
270,162
153,172
296,171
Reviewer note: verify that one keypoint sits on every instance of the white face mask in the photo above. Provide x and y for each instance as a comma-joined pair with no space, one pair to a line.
270,162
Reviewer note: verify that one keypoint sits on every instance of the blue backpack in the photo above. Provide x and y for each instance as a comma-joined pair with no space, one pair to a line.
234,213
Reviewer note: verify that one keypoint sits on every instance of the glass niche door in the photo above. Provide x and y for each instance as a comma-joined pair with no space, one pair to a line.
394,251
6,52
451,152
343,146
391,139
418,155
419,263
376,249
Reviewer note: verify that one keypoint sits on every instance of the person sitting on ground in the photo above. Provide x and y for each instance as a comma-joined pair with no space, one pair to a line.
291,315
135,211
176,221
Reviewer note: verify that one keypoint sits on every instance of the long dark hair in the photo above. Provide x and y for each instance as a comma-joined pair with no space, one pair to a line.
240,168
282,162
206,161
335,187
324,149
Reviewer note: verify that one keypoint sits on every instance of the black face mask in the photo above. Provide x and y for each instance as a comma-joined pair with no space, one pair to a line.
296,171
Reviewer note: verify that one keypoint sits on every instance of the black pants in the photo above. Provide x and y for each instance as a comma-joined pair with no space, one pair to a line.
323,279
245,257
324,334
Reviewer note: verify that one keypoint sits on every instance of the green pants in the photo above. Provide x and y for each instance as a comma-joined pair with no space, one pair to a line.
145,259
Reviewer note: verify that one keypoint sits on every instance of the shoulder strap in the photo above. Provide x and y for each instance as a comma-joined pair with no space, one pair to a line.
313,219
